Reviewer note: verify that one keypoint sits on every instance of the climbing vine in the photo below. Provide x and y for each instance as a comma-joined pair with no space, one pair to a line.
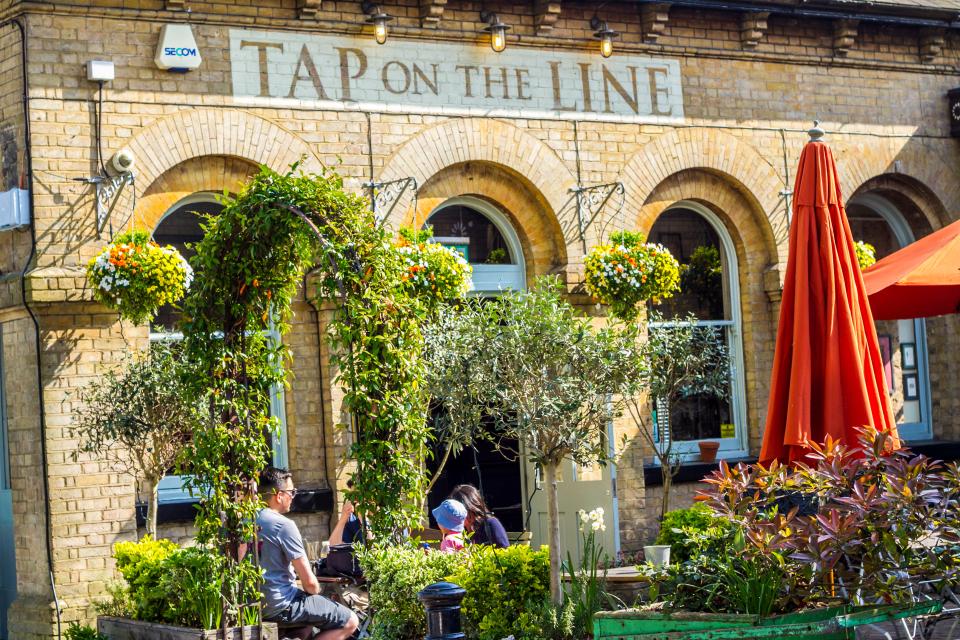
252,258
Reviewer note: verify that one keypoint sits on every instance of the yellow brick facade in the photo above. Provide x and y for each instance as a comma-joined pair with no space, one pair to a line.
734,152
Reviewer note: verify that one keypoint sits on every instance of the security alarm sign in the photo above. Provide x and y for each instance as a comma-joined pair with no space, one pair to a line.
177,49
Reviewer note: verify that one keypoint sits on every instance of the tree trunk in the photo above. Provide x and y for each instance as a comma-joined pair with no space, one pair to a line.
553,540
153,499
667,475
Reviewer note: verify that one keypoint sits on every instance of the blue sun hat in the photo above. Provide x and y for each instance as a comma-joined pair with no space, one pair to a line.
450,515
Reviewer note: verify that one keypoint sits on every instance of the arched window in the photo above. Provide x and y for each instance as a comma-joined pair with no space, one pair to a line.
710,292
903,343
180,227
484,235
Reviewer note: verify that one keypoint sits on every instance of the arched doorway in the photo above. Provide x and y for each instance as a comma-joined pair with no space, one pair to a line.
180,226
487,239
710,293
903,343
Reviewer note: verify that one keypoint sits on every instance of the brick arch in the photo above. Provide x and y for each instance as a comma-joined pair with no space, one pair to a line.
466,140
716,152
192,133
923,176
544,250
214,174
757,275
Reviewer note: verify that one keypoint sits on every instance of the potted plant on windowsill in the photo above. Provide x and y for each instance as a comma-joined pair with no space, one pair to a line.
708,450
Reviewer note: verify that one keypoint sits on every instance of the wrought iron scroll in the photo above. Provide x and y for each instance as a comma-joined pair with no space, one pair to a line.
384,196
108,195
591,201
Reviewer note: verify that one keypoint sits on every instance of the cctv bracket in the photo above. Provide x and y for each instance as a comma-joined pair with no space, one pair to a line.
108,195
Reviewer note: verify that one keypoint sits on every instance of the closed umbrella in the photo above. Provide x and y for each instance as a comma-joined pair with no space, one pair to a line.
827,371
918,281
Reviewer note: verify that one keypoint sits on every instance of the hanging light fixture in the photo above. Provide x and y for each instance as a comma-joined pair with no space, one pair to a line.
604,34
378,19
497,30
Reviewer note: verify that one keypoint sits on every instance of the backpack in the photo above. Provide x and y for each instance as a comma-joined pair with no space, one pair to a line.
340,561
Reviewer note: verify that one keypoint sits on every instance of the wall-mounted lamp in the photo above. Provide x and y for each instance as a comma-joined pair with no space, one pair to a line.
604,34
378,19
497,30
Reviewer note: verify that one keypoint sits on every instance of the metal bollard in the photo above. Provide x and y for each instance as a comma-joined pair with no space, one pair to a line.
441,601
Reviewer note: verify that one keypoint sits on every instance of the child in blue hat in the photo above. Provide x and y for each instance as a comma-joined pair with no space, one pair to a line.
450,516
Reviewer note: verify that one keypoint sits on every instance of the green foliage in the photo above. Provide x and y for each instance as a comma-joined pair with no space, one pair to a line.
630,271
166,583
690,531
142,565
504,588
497,256
702,276
135,276
76,631
556,622
866,253
395,575
141,418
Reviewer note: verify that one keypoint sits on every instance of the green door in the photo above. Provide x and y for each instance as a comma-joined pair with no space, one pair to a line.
8,569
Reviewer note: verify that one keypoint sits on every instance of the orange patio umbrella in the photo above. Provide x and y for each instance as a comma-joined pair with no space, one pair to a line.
827,372
918,281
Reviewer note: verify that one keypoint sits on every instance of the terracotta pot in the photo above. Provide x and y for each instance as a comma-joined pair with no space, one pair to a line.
708,450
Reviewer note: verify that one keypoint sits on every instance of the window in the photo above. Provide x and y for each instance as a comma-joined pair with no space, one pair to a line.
180,227
903,343
709,291
484,235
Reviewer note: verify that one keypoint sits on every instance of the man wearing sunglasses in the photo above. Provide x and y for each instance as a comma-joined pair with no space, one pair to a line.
284,559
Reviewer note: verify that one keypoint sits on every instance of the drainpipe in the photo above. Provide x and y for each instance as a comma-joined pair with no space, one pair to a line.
28,155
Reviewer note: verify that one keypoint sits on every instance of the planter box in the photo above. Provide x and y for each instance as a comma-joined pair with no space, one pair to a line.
127,629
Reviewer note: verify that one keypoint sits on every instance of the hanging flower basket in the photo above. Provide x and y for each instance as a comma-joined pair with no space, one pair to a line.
629,271
135,276
866,253
431,270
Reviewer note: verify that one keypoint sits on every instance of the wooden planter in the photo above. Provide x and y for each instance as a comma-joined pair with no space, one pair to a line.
127,629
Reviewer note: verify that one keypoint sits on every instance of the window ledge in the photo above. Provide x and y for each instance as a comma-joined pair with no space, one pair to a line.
306,501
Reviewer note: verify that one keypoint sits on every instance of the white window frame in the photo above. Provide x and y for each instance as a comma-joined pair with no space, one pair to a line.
492,278
903,234
171,489
737,446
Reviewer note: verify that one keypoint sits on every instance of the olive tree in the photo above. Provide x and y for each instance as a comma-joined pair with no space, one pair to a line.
548,377
139,418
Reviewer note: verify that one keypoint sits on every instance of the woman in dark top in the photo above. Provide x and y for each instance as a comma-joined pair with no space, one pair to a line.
480,520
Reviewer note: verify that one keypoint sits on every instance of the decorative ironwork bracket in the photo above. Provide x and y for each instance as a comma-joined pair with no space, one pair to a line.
108,195
384,196
591,201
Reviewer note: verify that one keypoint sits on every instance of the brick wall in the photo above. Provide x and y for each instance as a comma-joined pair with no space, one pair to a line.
746,109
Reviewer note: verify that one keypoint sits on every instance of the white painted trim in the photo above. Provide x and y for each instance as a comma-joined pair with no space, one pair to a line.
903,234
738,445
193,198
491,278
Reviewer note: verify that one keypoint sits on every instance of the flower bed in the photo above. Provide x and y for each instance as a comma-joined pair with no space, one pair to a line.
135,276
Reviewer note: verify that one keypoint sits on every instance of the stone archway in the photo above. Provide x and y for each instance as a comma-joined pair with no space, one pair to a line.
520,158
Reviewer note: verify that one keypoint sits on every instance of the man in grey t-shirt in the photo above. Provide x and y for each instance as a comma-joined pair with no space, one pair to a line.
284,559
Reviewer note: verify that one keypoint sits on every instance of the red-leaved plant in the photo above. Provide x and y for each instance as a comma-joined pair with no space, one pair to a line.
866,525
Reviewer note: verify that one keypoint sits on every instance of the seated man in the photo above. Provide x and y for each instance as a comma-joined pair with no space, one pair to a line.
284,559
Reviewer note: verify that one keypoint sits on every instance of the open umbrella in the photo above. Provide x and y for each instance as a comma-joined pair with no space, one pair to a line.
827,372
918,281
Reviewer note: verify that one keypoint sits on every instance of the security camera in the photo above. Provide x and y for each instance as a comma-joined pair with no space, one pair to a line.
121,162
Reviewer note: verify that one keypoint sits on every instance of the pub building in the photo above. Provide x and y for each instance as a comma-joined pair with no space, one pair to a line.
524,133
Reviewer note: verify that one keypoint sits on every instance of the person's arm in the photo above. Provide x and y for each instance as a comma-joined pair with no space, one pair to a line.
336,536
307,580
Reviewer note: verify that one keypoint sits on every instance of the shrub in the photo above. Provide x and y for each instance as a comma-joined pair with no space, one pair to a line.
76,631
195,574
396,574
135,276
629,271
505,592
142,565
680,529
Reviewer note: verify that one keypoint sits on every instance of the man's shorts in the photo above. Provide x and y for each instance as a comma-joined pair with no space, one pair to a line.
315,610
